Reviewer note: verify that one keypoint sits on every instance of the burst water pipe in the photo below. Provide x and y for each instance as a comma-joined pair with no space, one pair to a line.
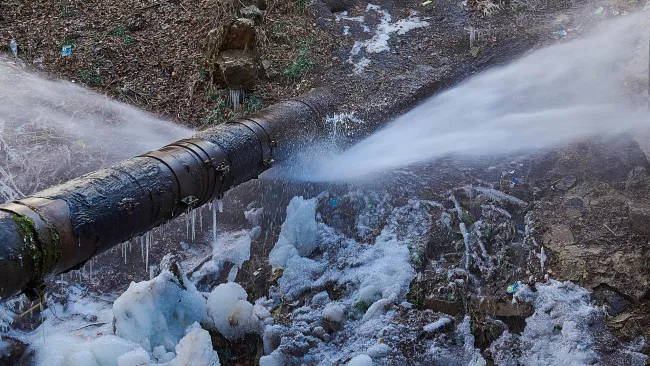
60,228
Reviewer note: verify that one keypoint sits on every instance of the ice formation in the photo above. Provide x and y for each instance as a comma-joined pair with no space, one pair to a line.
558,332
376,276
231,313
298,235
156,312
382,34
361,360
195,349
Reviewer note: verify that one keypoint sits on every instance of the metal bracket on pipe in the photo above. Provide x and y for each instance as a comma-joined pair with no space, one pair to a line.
262,135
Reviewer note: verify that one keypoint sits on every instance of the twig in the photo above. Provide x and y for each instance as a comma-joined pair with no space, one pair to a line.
89,325
29,310
610,230
198,266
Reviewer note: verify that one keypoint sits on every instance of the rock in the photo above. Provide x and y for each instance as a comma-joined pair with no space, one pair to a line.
14,351
565,183
230,54
488,331
575,207
240,35
238,69
559,236
639,216
253,13
267,65
339,5
637,178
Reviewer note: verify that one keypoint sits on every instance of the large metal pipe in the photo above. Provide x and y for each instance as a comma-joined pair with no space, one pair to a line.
60,228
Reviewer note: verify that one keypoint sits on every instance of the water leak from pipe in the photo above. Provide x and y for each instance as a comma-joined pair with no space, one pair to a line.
63,130
552,96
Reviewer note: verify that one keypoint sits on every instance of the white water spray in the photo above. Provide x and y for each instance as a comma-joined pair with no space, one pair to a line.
63,130
552,96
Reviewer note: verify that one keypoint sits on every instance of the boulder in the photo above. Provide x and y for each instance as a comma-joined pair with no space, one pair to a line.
230,54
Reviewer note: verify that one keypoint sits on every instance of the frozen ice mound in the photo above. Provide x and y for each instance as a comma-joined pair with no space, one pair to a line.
107,350
299,276
361,360
195,349
298,234
231,313
157,312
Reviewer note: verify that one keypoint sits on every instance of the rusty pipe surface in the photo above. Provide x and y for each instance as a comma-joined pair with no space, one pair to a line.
60,228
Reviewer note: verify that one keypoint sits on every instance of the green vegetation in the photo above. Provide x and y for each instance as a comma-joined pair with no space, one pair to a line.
67,12
91,77
301,5
362,306
302,64
44,256
416,295
123,33
223,111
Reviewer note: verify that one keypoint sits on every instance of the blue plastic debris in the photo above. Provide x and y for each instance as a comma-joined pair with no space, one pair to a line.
13,46
334,202
562,32
511,289
514,180
66,50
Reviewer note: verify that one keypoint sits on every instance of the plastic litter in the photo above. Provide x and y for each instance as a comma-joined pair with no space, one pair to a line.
511,289
514,180
13,46
426,3
599,11
562,32
66,50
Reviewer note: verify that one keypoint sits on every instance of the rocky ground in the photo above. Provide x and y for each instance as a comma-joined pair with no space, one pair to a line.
579,213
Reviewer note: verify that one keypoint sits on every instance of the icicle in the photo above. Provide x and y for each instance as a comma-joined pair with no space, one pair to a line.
148,237
187,224
193,219
142,248
214,225
235,97
220,205
201,218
